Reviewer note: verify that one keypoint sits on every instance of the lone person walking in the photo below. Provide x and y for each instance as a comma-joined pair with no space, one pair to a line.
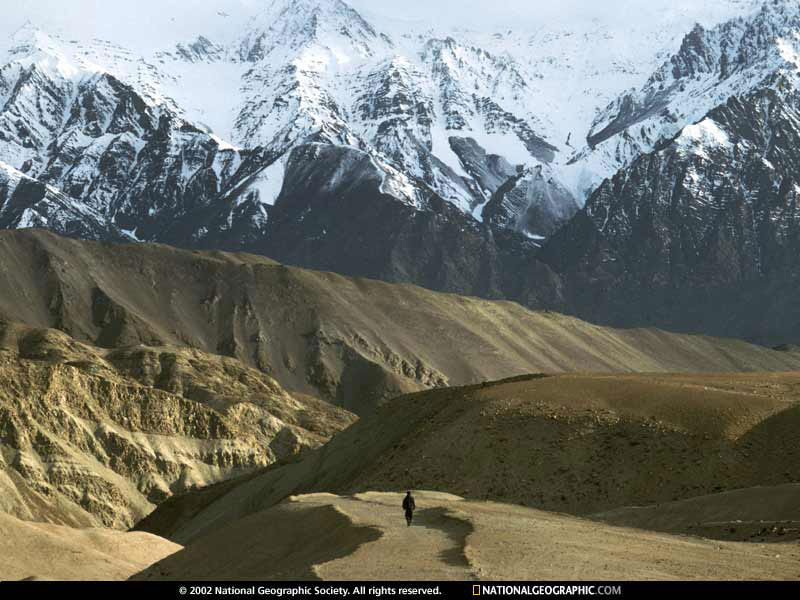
409,506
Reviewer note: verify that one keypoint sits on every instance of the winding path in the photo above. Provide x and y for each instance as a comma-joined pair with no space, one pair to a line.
432,548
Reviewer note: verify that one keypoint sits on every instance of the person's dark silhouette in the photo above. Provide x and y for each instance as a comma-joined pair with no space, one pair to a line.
409,506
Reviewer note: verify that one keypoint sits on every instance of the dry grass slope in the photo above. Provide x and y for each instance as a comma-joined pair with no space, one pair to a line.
761,514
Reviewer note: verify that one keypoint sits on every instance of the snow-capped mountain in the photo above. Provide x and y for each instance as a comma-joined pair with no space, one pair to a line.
704,230
408,101
740,55
143,139
414,151
118,155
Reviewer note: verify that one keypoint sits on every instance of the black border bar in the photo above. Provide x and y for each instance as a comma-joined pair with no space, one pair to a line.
360,590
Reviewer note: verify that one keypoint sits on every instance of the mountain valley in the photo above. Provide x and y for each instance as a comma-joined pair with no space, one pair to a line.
265,265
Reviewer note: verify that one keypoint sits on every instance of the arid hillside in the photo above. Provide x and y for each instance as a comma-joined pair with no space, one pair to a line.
132,373
581,444
364,537
352,342
90,436
758,514
56,552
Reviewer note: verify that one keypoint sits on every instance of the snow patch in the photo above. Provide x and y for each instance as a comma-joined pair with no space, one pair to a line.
131,233
269,182
442,150
701,136
31,218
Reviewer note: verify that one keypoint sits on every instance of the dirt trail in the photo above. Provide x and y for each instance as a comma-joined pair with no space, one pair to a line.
512,542
432,548
365,537
459,539
324,536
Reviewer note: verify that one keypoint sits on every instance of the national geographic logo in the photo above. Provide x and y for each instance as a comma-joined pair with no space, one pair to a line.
546,590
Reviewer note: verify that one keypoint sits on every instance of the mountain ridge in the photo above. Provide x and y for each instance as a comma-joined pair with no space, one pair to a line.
308,329
414,158
292,93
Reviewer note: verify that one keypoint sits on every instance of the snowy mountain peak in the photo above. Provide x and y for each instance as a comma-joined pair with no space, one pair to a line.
26,35
29,44
199,50
62,58
752,51
288,25
493,123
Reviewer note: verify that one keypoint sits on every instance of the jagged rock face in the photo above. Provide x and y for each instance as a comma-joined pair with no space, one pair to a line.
532,204
27,202
712,214
489,170
98,437
735,58
123,140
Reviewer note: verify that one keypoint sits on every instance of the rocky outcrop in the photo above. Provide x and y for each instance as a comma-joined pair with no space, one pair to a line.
530,203
97,437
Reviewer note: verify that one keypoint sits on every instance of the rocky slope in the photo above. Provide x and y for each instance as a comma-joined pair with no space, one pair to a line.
93,437
324,220
737,57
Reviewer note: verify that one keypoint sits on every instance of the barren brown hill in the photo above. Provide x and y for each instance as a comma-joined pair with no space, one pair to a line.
364,537
92,437
55,552
573,443
353,342
762,514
